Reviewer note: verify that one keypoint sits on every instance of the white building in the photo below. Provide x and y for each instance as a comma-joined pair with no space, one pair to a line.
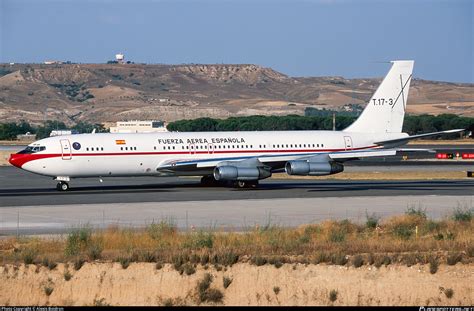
138,127
120,58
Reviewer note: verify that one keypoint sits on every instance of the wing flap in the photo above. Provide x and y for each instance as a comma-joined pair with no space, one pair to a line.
362,154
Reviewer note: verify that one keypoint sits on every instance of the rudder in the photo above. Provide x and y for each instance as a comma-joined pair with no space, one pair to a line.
386,109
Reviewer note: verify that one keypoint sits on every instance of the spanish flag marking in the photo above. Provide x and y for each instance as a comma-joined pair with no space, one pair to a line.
120,142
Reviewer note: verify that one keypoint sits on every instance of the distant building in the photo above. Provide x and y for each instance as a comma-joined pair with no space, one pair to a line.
138,127
26,137
52,62
120,58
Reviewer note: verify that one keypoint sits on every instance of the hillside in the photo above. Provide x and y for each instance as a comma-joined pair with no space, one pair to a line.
111,92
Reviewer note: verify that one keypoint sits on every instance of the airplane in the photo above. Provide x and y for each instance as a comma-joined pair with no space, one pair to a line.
241,158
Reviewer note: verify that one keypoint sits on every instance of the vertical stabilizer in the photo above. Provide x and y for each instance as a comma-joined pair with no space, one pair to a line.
386,109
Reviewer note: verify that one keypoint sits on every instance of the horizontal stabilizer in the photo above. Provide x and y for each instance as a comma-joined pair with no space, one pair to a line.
404,140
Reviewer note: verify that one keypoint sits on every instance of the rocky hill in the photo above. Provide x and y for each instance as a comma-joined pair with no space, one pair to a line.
111,92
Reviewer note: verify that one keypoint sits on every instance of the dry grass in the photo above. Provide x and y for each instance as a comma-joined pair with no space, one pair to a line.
334,242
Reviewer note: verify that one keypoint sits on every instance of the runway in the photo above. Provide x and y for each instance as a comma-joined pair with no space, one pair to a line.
20,188
30,204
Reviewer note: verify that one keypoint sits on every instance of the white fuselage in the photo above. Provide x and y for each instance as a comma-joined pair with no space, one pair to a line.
106,154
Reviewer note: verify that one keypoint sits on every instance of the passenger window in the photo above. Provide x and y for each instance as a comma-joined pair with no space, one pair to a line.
87,149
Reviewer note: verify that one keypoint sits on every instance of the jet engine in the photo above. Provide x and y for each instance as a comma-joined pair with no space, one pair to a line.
229,172
306,168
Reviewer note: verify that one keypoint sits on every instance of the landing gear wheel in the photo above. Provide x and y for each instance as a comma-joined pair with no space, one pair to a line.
242,184
62,186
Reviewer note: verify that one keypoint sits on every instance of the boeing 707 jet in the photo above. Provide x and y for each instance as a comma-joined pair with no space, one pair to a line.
242,158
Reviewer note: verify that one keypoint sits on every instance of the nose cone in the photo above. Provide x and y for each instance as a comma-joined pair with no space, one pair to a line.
18,159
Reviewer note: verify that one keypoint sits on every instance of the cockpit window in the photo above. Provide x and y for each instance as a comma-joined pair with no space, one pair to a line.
32,149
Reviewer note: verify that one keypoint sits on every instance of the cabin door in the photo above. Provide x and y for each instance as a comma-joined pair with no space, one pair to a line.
66,149
347,143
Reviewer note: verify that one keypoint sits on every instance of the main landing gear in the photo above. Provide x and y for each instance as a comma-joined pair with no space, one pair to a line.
210,181
243,184
62,186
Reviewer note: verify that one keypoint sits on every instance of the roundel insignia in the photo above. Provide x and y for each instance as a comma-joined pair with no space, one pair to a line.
76,145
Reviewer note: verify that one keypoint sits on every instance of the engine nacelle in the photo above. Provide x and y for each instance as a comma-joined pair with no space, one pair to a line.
305,168
229,172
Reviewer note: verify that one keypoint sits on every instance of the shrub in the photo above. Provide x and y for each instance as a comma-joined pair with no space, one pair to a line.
124,262
453,259
67,275
320,258
148,256
337,235
194,258
76,240
339,259
371,259
449,292
45,262
203,240
228,258
78,262
189,269
276,290
386,260
204,259
462,214
168,302
403,231
278,264
214,295
48,290
158,230
29,255
333,295
94,251
470,251
258,261
416,211
226,281
159,266
433,265
100,303
431,226
357,261
52,265
178,261
205,293
410,259
371,221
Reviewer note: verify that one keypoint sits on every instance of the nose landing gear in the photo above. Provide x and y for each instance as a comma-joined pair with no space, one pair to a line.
62,186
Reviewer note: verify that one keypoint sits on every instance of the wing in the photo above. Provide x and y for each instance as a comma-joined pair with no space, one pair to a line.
273,162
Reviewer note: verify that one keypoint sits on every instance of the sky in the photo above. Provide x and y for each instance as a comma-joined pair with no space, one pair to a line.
345,38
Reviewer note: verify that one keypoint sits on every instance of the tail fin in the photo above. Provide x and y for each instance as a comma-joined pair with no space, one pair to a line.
386,109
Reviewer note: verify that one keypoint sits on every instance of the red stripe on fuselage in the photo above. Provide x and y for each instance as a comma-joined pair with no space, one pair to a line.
19,160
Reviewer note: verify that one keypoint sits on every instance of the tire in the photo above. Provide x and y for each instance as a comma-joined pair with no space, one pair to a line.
62,186
246,184
241,184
